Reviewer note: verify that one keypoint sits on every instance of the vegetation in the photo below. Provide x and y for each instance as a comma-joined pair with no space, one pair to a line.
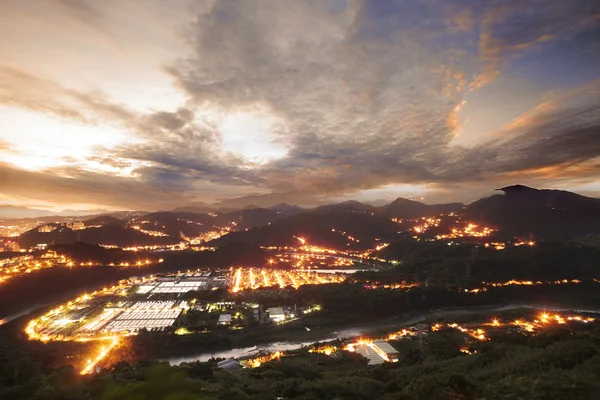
556,364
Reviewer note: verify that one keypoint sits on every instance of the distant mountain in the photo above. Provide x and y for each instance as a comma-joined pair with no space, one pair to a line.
76,213
196,207
264,200
345,206
7,211
22,212
524,211
404,208
330,229
286,208
104,220
110,234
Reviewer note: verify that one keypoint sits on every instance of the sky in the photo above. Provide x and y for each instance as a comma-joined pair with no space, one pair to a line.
155,104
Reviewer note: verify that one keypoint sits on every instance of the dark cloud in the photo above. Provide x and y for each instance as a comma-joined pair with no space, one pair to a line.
364,94
370,94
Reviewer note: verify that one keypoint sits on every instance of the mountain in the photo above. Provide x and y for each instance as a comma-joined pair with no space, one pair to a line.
404,208
15,212
286,208
196,207
77,213
104,220
329,229
345,206
264,200
110,234
525,211
22,212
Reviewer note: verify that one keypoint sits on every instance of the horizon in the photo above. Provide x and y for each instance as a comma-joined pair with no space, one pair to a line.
216,206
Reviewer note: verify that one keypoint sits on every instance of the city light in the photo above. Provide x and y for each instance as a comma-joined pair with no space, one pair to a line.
246,278
104,350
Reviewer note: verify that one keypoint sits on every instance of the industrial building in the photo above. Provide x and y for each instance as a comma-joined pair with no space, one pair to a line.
132,317
376,352
276,314
386,348
181,283
369,353
224,319
229,365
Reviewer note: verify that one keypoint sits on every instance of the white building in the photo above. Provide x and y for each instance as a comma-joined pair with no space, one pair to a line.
224,319
276,314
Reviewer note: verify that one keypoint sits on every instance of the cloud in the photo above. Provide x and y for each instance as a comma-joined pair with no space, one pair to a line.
362,96
559,132
356,94
510,27
23,90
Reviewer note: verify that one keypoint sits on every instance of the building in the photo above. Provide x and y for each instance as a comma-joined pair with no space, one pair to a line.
224,319
46,228
384,347
229,365
12,245
76,225
256,311
369,353
276,314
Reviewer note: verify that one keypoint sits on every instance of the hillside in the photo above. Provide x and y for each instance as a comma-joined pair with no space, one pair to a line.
331,229
524,211
109,234
404,208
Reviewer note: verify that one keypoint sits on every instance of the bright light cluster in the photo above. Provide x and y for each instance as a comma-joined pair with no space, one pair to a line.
324,349
544,320
312,260
149,232
254,278
348,237
426,224
469,230
104,350
374,349
19,266
401,285
258,361
477,333
514,282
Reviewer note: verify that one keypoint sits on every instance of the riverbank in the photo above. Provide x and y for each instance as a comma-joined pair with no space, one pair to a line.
367,330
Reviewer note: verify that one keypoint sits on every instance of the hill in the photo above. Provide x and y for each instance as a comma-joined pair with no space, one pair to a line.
109,234
22,212
330,229
404,208
346,206
104,220
551,214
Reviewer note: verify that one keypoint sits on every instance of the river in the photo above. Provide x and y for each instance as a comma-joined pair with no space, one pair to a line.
271,347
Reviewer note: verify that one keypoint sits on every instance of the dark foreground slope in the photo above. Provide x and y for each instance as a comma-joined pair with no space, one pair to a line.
558,364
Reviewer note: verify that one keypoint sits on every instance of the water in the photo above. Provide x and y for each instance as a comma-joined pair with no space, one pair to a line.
240,352
339,271
355,331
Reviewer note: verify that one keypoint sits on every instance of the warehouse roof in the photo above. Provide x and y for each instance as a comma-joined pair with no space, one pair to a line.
385,347
275,311
225,318
229,365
